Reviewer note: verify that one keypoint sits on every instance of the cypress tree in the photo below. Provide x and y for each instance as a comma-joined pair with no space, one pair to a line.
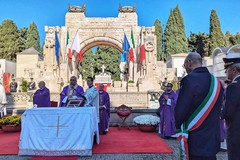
158,33
9,40
169,37
22,38
33,39
217,38
181,38
175,37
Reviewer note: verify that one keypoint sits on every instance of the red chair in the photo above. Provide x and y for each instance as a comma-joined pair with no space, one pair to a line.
123,112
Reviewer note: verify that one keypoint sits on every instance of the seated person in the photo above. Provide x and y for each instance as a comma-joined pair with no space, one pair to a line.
13,86
92,96
73,90
31,85
41,97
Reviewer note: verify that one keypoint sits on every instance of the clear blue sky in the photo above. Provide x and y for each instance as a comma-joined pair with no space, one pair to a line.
196,13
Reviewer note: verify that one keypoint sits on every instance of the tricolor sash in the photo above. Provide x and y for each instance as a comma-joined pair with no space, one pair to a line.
199,115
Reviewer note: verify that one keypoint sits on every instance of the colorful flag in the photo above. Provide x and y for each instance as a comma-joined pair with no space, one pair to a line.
68,49
76,47
142,50
131,52
125,48
57,48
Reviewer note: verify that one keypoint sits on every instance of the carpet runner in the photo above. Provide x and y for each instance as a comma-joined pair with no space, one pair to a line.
117,141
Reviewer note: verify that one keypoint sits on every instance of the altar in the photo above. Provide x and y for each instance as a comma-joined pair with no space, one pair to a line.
58,131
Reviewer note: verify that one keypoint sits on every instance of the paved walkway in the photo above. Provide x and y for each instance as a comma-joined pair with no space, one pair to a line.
174,144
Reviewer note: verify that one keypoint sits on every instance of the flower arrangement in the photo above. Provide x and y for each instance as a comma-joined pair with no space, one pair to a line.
146,120
11,120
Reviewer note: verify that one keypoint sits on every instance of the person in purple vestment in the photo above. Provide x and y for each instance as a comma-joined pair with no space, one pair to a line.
41,97
167,103
104,110
73,90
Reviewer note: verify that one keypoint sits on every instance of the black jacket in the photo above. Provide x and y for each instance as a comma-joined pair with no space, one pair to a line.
205,140
231,113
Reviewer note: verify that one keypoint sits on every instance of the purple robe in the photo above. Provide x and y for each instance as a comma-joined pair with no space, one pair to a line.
104,113
78,91
42,98
167,121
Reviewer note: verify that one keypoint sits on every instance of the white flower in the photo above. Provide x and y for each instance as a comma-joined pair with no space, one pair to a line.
147,120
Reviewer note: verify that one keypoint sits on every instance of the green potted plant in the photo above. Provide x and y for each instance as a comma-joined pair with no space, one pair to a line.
11,123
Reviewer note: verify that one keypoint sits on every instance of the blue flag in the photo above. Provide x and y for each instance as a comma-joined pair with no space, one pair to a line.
57,47
125,48
123,57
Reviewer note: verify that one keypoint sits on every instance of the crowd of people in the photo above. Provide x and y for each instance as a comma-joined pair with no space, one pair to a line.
196,113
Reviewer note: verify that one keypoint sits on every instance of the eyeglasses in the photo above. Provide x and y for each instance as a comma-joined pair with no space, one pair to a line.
72,79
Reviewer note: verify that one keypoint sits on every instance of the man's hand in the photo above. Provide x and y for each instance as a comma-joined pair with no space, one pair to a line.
165,97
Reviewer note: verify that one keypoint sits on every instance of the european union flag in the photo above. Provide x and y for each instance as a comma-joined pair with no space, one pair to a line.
57,47
125,48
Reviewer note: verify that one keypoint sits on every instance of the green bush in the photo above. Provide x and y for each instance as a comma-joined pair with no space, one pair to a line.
13,120
130,81
24,85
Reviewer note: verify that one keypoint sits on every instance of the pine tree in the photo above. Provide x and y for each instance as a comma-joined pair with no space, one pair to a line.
158,32
199,43
110,58
33,39
235,39
9,40
217,38
85,68
105,55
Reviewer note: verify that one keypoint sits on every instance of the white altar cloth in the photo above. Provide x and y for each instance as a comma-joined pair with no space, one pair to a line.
58,131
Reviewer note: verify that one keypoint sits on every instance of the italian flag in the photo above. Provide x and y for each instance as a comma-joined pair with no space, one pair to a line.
131,52
68,49
76,48
142,50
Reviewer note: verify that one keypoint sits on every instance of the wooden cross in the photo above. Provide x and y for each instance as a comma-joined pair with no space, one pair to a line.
58,126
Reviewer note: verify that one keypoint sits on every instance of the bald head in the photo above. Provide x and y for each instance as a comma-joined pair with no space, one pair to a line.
192,61
41,84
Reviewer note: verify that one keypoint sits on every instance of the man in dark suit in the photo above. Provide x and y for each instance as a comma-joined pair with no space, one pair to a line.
203,134
231,109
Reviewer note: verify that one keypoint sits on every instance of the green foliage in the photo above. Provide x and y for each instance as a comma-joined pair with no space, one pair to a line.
217,38
199,43
234,39
33,39
9,40
22,38
24,85
107,56
158,32
86,65
13,120
130,81
228,36
175,84
175,37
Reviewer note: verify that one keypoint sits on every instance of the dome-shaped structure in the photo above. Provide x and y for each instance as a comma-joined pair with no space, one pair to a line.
218,55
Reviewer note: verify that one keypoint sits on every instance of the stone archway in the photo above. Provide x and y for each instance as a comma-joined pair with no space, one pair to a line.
109,31
95,41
